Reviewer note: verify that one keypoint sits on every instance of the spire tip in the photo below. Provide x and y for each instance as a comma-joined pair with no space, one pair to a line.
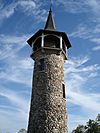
50,5
50,25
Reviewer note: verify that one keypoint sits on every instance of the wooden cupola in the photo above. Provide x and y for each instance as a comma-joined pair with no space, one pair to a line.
49,37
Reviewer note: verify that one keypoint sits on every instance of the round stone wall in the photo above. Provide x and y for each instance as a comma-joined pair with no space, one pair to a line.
48,104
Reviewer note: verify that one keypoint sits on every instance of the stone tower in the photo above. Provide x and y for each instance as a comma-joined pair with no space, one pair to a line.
48,101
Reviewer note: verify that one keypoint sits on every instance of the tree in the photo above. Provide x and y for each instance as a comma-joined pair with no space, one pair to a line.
22,131
92,126
79,129
98,119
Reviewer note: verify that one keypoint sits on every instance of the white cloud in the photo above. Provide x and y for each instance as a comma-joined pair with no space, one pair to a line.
16,71
9,45
7,11
76,65
96,48
1,4
95,6
78,77
14,98
82,6
14,112
12,121
97,29
89,33
27,5
74,6
85,100
75,121
11,39
82,31
33,8
90,28
96,40
15,66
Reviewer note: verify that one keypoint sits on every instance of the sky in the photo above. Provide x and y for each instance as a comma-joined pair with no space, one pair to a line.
19,20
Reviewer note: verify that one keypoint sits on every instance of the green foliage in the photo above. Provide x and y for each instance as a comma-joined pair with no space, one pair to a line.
92,126
79,129
22,131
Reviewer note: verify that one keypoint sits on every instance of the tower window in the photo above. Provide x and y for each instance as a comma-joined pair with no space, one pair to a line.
41,64
64,47
51,41
37,44
64,95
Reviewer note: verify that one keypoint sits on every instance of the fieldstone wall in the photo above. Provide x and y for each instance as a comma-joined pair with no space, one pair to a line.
48,106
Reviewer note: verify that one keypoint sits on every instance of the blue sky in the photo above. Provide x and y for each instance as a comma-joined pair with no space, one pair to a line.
19,20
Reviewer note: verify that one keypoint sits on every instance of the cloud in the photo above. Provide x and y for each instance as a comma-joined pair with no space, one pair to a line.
81,93
27,5
96,40
75,121
80,6
14,112
95,6
10,117
30,8
14,67
76,65
82,31
14,107
85,101
97,29
86,32
96,48
89,29
13,71
9,45
15,99
7,11
16,71
90,33
11,39
73,6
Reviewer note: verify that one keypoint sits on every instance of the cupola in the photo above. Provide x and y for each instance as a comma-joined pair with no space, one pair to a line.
49,38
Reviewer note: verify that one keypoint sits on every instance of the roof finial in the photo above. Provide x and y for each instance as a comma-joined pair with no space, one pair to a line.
50,25
50,5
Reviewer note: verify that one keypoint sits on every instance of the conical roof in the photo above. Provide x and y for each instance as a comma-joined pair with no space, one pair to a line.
50,25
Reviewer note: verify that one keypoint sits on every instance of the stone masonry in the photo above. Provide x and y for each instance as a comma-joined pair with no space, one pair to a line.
48,106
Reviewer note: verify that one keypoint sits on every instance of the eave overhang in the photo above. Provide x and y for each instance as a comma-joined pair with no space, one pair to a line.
49,32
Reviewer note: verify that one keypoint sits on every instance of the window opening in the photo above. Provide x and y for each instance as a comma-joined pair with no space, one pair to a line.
64,47
51,41
41,64
37,44
63,86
